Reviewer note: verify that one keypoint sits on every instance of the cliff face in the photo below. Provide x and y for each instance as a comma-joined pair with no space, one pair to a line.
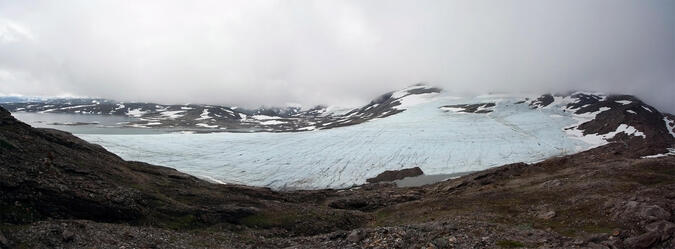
60,191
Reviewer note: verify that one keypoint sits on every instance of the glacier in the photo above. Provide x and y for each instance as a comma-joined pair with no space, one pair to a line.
424,135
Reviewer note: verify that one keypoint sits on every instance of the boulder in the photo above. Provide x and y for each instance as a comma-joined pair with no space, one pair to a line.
392,175
665,228
644,240
546,215
356,236
4,243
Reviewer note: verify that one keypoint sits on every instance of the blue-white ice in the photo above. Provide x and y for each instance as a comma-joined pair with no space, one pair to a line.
438,142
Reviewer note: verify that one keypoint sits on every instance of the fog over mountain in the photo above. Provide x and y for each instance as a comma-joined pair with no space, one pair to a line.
334,52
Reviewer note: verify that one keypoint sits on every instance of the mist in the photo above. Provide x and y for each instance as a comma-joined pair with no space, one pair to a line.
253,53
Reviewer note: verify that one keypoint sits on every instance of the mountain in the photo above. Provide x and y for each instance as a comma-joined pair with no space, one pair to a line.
221,118
211,118
58,191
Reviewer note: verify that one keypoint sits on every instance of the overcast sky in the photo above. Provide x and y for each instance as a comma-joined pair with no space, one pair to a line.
333,52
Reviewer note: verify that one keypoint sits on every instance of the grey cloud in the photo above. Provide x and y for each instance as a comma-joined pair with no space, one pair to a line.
334,52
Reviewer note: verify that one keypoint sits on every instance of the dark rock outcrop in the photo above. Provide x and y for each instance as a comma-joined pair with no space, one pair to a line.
629,111
383,106
392,175
542,101
472,108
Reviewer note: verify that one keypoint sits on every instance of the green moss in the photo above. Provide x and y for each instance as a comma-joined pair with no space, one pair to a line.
509,244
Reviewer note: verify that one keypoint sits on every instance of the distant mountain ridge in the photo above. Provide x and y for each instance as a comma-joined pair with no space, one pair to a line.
222,118
601,117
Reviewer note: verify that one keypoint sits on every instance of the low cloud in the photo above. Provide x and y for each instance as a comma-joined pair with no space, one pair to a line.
334,52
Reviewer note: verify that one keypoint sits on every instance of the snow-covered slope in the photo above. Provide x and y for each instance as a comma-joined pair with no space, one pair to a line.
420,127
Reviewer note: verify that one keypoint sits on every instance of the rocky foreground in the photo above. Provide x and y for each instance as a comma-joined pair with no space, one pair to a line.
58,191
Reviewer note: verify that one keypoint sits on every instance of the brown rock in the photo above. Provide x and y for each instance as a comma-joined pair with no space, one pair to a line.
3,241
356,236
665,228
546,215
653,213
643,241
391,175
551,183
67,235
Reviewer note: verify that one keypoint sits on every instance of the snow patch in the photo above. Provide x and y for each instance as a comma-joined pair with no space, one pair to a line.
574,131
308,128
264,117
600,139
172,114
413,100
630,130
211,179
206,125
623,102
138,126
204,115
74,107
631,111
452,109
227,110
483,108
335,110
272,122
406,91
671,152
136,112
668,126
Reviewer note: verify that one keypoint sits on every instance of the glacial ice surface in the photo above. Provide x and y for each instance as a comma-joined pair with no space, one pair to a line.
437,141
